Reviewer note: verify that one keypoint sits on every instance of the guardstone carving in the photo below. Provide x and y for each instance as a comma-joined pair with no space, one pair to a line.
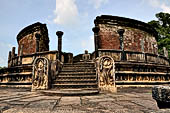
106,73
40,78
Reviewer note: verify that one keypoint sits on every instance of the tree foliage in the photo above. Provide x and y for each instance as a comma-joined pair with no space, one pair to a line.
2,67
162,26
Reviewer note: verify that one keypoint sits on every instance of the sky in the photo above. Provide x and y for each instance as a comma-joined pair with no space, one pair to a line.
74,17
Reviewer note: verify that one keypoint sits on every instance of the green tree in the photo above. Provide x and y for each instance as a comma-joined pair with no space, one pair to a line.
162,26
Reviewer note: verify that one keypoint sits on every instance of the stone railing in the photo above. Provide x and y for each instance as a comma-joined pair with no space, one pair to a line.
28,59
135,56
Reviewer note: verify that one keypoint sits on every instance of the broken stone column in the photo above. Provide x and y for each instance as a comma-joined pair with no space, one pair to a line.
13,52
9,56
37,36
12,56
20,54
96,32
9,59
142,45
165,52
121,38
59,34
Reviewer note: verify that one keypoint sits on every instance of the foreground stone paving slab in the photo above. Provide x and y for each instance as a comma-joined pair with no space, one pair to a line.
35,102
69,101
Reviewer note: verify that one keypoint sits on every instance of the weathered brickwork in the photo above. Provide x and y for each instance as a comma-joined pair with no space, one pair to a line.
29,44
27,39
135,38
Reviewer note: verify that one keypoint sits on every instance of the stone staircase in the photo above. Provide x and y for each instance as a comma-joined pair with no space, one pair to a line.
77,79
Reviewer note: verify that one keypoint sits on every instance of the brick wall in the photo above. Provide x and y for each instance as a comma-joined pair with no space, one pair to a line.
27,39
135,38
29,44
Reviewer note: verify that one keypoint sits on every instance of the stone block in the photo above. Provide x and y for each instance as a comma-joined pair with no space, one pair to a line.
162,95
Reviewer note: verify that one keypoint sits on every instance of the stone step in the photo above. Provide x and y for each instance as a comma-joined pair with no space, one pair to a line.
71,91
16,74
76,77
77,73
75,85
81,75
78,65
74,80
13,83
63,81
77,68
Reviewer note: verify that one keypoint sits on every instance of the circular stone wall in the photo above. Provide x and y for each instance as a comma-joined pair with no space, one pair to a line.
26,39
138,36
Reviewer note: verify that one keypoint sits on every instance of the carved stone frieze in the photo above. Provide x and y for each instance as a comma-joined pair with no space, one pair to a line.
40,78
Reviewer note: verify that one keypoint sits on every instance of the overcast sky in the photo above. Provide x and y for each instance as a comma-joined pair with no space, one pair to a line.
74,17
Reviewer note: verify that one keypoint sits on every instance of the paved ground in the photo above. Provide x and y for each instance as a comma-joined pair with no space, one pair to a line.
131,100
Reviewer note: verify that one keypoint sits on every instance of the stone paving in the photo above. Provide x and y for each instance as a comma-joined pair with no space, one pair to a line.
139,100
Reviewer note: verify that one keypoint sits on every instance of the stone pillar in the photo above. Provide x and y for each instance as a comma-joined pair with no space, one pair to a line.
21,50
9,56
96,31
59,34
121,38
165,52
9,59
13,52
142,45
12,56
20,54
37,36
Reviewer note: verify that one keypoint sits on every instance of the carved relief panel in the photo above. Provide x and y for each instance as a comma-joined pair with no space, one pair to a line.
40,78
106,73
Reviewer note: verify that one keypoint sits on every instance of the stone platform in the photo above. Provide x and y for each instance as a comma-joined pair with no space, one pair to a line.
127,100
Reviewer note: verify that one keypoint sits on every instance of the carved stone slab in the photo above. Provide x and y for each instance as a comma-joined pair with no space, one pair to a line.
40,78
162,95
106,73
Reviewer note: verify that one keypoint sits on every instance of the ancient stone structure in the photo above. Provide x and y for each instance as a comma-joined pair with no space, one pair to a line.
132,45
126,54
